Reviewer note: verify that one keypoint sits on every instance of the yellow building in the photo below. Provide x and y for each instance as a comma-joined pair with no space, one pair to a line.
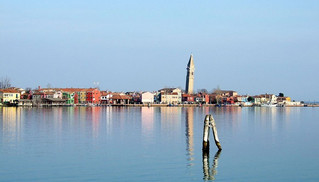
82,96
283,100
9,96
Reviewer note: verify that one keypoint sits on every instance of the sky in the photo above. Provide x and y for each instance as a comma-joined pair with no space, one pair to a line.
252,47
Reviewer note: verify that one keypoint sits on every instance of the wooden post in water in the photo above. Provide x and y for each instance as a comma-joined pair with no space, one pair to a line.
213,125
206,134
210,174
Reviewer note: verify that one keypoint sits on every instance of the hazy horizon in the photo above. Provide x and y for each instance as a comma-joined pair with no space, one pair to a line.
252,47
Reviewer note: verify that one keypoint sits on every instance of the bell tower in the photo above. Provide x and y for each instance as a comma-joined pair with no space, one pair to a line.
190,76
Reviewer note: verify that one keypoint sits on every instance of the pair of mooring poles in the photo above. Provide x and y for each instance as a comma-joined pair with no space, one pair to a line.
209,122
209,174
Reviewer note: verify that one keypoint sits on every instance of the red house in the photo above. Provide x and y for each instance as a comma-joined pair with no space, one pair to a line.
228,100
188,98
93,96
76,98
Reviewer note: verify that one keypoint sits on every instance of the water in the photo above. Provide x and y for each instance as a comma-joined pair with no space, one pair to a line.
157,144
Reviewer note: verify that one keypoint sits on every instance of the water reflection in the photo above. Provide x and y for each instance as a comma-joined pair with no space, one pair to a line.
190,134
170,120
272,118
231,115
11,125
96,114
147,116
98,142
109,123
209,174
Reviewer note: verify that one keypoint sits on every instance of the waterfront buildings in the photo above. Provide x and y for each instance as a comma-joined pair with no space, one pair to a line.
93,96
170,96
147,98
69,97
188,98
119,98
104,97
166,96
9,96
81,96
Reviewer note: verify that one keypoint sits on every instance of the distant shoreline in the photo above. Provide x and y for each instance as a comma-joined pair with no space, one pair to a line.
153,105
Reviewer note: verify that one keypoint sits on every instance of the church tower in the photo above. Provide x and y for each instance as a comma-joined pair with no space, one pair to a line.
190,76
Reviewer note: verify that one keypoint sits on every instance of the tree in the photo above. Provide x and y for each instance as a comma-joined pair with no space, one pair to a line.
281,95
28,90
217,90
203,90
5,83
251,99
218,93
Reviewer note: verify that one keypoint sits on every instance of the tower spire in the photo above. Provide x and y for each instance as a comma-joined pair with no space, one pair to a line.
190,76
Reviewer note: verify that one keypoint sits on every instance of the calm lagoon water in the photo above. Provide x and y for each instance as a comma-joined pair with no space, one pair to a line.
157,144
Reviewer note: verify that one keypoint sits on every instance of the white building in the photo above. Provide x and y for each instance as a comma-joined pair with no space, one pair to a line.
170,96
147,98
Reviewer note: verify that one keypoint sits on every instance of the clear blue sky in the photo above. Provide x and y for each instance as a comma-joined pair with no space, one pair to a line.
249,46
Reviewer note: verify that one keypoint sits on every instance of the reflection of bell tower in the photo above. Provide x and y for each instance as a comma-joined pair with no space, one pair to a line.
190,132
190,76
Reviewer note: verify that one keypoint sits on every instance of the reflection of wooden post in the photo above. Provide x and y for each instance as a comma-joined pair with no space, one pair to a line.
206,168
206,134
213,125
209,174
215,164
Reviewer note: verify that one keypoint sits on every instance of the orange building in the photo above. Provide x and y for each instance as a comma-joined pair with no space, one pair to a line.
93,96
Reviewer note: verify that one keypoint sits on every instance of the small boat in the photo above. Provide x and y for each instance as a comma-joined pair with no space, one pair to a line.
268,105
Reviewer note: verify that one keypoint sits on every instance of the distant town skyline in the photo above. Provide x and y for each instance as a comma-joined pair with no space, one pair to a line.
252,47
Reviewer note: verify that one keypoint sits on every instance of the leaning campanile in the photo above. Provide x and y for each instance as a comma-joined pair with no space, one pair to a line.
190,76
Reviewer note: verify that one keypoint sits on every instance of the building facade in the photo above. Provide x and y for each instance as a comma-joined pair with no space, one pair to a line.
170,96
147,98
93,96
9,96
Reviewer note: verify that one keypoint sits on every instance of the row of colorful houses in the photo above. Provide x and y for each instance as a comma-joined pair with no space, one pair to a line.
169,96
232,98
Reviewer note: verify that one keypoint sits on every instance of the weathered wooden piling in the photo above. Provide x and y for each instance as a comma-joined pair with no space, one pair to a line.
213,125
210,122
206,134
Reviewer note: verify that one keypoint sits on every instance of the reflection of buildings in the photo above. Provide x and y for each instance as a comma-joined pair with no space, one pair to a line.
58,117
231,115
11,124
190,133
147,115
170,119
109,116
273,117
96,114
